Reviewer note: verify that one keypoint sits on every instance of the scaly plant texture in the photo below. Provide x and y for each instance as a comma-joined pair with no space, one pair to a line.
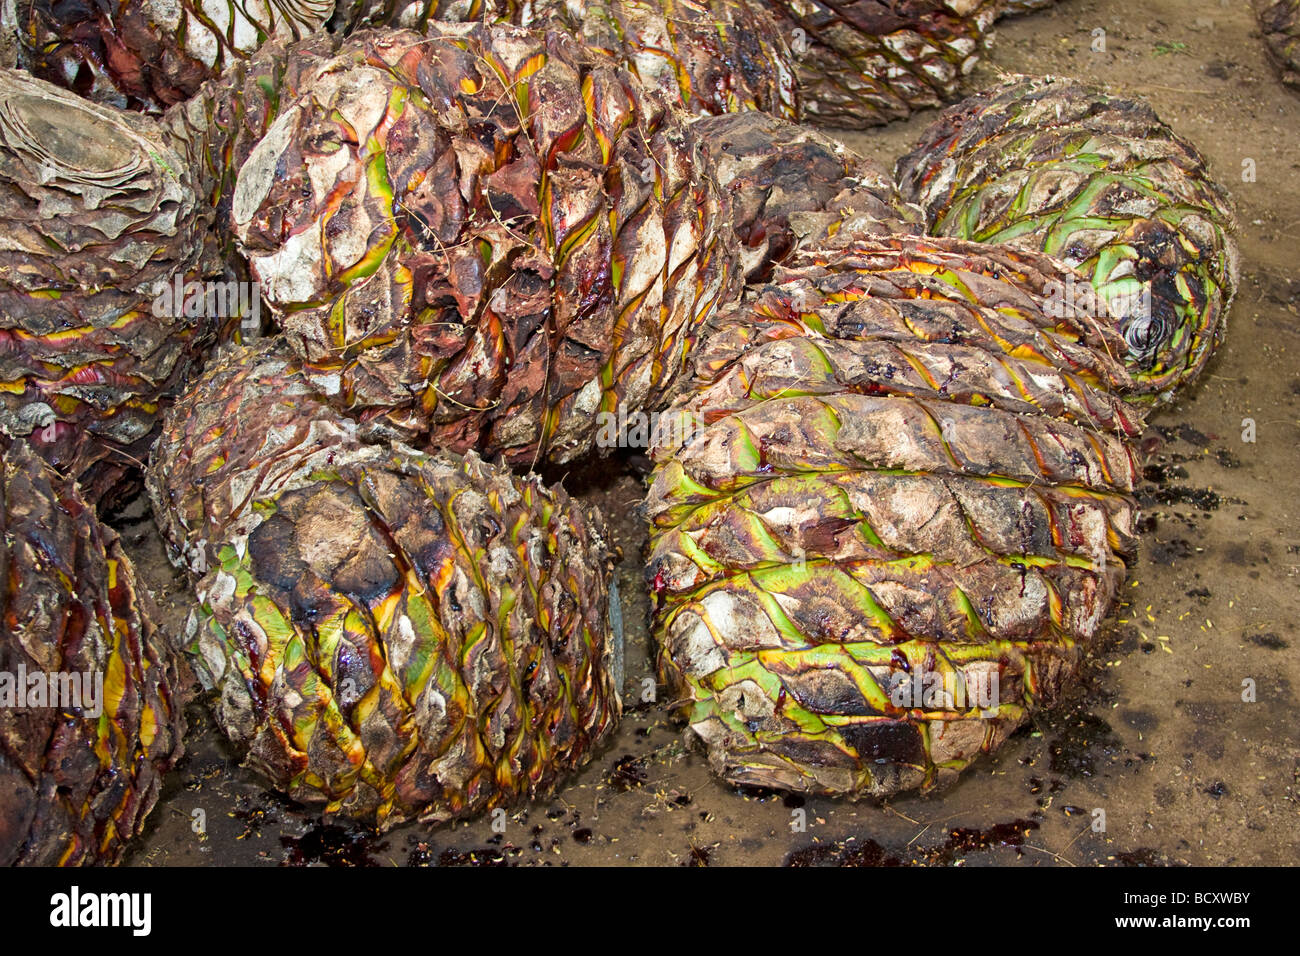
710,56
863,63
1279,21
89,718
890,516
482,238
150,54
391,635
101,216
1100,181
252,426
216,129
788,184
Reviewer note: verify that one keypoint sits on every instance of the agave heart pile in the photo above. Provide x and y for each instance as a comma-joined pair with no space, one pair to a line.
891,503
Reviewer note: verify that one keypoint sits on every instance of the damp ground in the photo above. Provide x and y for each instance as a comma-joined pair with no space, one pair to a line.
1156,735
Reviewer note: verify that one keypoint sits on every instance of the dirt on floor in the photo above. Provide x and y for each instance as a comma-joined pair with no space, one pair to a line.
1157,736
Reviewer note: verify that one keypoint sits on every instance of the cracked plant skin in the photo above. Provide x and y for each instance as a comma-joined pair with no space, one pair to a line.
391,635
1100,181
151,54
788,184
484,237
894,463
864,63
1279,22
76,789
708,56
99,214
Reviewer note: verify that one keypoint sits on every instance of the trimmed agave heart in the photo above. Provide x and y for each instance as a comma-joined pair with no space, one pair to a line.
788,184
711,56
890,516
1279,22
1052,164
83,752
217,128
100,215
391,635
152,53
484,238
251,425
863,63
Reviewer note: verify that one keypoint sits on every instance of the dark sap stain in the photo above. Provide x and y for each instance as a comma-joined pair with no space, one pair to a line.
1235,554
1074,753
960,842
332,845
1161,474
1208,742
1184,433
1147,524
483,856
963,840
628,773
254,812
1203,499
1142,720
858,853
1169,552
758,794
1227,459
1142,856
1202,593
1270,640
